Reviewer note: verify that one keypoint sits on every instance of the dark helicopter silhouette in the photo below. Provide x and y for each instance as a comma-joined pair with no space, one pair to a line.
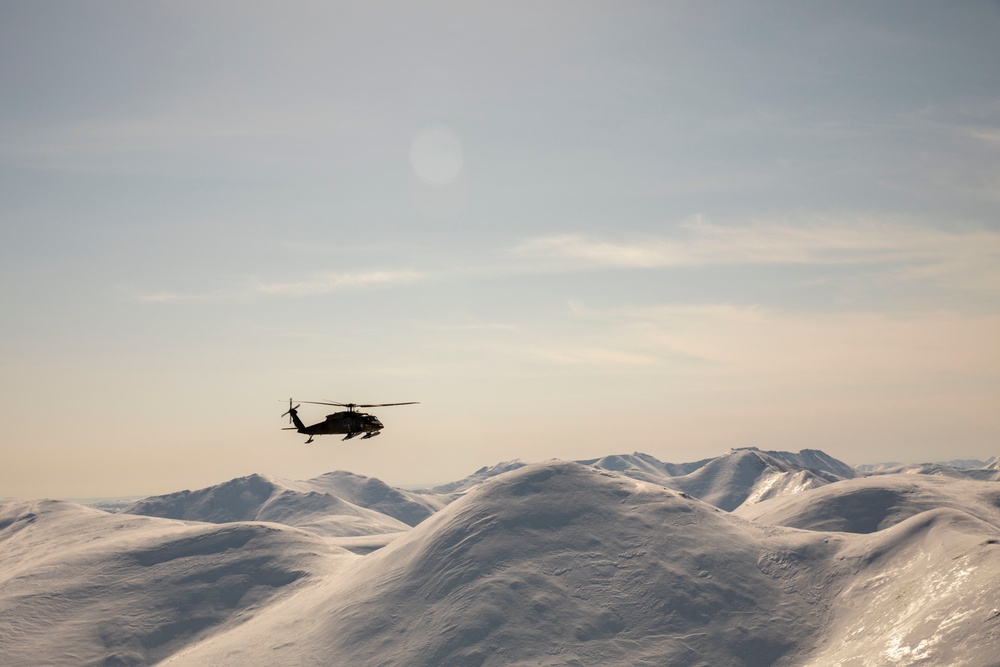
349,421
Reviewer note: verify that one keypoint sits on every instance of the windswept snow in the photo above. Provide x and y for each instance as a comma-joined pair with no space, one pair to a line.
83,587
923,592
555,564
814,459
752,558
962,468
742,476
870,504
644,466
747,476
478,477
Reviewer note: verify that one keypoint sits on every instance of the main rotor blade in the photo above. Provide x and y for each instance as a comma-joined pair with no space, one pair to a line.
342,405
385,405
358,405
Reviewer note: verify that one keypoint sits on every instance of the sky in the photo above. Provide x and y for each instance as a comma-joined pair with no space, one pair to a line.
567,229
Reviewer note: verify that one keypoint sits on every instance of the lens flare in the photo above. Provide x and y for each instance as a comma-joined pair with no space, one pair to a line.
436,155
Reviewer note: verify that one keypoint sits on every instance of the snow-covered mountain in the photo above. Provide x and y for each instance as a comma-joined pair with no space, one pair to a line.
645,467
556,564
742,476
454,489
79,586
747,476
337,504
955,468
342,504
871,504
814,459
608,561
983,473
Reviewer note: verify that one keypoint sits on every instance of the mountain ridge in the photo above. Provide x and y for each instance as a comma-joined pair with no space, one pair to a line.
613,560
352,498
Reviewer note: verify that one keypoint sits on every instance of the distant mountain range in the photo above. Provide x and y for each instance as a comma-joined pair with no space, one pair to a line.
929,468
335,504
751,558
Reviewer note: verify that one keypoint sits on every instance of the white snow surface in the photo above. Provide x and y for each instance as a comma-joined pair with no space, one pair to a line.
613,561
337,504
79,586
870,504
742,476
972,468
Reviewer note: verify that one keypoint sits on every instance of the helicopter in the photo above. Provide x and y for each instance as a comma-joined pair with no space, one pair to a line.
349,421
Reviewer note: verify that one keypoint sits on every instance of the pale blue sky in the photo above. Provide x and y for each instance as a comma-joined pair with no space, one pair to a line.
568,229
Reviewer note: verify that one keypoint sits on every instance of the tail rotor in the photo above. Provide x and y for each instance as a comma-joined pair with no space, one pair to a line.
291,412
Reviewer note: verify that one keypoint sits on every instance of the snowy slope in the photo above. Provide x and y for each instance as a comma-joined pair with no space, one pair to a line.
336,504
342,504
369,492
556,564
814,459
561,564
477,478
985,474
645,467
924,592
79,586
896,466
869,504
747,476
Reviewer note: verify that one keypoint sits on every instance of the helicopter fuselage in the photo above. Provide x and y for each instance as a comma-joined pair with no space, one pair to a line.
347,422
351,423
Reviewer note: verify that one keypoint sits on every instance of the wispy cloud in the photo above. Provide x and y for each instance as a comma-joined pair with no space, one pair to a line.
968,259
315,285
778,345
701,243
182,130
178,297
325,283
159,297
594,356
468,326
987,135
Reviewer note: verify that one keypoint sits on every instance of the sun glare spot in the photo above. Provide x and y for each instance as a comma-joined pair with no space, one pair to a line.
436,155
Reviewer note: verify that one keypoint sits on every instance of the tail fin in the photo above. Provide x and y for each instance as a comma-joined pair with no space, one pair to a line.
295,419
293,416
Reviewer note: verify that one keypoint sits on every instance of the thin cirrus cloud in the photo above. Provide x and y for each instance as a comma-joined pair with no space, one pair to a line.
967,260
779,346
316,285
185,130
595,356
176,297
701,244
325,283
